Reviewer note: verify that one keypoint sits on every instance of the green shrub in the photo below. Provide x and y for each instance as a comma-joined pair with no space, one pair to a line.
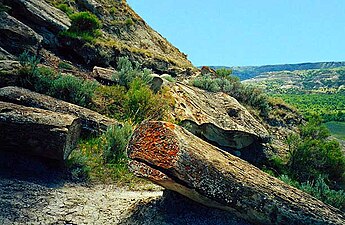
129,22
117,138
73,89
128,71
84,22
84,25
103,159
313,155
223,72
47,81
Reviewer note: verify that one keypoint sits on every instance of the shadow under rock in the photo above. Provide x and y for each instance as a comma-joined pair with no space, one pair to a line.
26,183
175,209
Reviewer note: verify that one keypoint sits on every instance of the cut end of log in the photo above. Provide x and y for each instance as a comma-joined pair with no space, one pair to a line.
159,141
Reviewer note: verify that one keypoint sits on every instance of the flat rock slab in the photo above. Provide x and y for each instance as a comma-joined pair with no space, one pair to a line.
37,132
92,122
174,158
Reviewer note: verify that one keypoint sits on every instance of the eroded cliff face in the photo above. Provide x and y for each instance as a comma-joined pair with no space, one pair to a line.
37,25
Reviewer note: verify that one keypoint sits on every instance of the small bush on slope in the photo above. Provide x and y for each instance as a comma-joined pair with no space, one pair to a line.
84,25
46,81
245,94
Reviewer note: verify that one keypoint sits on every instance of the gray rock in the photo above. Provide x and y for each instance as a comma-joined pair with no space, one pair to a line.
9,72
41,14
92,122
37,132
17,37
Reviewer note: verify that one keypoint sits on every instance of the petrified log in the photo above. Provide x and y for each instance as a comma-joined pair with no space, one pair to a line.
174,158
92,122
37,132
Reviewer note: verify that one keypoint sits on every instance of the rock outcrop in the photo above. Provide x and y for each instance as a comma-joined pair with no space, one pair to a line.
177,160
37,132
17,37
9,72
92,122
221,120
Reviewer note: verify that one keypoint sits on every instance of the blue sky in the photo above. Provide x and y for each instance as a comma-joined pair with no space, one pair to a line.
250,32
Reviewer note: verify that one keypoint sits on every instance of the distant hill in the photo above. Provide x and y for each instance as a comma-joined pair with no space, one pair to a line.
247,72
302,81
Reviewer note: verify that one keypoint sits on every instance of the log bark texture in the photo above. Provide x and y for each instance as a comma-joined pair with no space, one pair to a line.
92,122
37,132
177,160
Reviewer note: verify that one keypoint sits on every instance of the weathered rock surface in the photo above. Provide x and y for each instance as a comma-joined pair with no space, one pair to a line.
37,132
174,158
9,72
91,121
103,75
17,37
219,119
45,19
40,13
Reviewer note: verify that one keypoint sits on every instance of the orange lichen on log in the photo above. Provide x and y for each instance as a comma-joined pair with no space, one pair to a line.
160,144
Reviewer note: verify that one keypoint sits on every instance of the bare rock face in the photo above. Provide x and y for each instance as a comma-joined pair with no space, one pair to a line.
37,132
9,72
221,120
45,19
92,122
17,37
41,13
177,160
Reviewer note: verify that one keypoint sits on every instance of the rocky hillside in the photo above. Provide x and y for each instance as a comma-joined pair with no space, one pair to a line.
91,96
247,72
47,28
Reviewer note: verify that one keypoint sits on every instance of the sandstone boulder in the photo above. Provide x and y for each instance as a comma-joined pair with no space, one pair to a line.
221,120
174,158
37,132
92,122
104,75
17,37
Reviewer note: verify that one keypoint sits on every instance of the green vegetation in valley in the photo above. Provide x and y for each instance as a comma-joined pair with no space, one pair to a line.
247,95
331,107
315,164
